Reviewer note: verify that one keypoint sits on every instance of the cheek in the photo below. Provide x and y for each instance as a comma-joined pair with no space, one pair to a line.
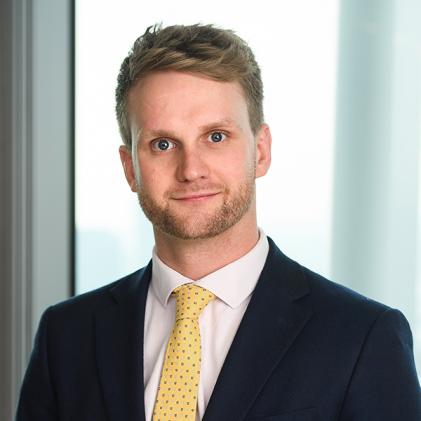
153,180
235,168
243,162
147,176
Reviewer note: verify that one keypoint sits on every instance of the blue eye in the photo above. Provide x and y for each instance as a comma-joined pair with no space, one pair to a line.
162,145
217,137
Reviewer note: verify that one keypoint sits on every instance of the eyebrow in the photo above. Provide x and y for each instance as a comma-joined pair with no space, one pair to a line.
227,122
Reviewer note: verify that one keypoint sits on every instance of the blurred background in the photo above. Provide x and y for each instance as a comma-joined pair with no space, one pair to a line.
343,195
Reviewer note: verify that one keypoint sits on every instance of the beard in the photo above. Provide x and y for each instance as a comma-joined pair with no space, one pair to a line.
195,224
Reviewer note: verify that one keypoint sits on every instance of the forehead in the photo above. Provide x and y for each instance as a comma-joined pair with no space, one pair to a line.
171,98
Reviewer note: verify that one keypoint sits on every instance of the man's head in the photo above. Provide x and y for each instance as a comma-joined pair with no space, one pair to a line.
190,114
214,53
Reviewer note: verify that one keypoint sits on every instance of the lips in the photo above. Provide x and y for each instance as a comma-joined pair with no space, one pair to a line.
195,196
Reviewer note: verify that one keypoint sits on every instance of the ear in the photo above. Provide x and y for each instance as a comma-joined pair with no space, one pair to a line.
263,150
129,171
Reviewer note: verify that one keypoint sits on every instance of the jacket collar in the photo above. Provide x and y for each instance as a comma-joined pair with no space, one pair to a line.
277,312
119,347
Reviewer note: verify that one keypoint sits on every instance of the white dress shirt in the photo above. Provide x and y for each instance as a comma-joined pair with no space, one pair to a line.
232,285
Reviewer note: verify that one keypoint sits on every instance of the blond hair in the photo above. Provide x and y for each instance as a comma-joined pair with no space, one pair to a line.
218,54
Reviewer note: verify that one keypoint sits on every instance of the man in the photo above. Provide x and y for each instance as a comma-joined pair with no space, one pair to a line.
220,326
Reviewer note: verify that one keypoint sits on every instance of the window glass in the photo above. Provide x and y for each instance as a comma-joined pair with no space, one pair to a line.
295,44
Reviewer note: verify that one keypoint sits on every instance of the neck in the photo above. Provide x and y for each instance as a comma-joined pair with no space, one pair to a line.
198,258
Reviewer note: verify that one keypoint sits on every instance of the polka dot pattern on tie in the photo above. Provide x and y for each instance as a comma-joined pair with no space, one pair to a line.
178,387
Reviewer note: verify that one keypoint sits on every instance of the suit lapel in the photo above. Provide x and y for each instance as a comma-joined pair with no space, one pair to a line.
277,312
119,348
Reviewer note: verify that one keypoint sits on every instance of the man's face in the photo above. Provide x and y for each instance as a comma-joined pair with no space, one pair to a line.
195,157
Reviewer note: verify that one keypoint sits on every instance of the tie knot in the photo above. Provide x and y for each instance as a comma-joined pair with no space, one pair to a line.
191,300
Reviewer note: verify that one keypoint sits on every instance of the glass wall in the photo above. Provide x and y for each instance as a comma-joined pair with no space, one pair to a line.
328,95
295,44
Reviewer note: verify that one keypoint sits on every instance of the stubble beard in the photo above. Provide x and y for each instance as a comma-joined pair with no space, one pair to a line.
197,224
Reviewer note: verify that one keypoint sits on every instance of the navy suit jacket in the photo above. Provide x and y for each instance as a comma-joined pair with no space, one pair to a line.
307,349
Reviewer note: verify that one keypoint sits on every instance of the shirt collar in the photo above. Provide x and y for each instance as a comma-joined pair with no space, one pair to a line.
232,283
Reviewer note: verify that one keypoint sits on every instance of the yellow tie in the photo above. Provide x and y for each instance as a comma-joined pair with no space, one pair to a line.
177,391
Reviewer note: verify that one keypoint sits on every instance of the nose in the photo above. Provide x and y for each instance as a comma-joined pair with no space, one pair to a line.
191,166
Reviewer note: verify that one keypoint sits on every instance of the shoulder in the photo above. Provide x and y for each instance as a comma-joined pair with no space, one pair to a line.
334,305
328,295
339,307
80,306
362,333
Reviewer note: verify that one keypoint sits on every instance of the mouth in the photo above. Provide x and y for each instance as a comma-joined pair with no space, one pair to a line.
195,197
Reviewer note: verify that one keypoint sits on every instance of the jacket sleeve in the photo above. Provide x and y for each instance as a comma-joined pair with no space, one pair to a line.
37,400
384,384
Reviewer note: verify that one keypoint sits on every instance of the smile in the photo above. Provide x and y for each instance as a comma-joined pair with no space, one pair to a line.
196,197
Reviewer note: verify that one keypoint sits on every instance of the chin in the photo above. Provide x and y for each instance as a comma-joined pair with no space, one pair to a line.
193,230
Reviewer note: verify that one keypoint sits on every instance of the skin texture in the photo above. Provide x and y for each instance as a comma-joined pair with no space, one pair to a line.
193,166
